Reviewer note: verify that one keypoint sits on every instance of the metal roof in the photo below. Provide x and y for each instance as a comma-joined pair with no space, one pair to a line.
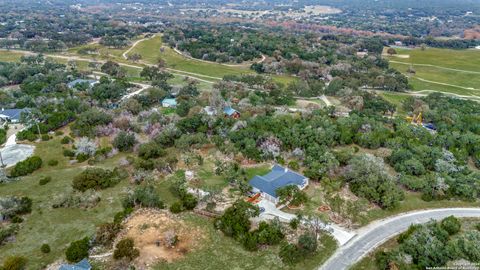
229,111
81,265
13,114
278,177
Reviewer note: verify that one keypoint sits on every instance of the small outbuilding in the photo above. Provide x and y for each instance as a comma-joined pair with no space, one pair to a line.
231,113
169,103
75,83
278,177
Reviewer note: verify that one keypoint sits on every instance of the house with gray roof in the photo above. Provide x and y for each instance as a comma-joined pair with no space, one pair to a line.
77,82
81,265
278,177
12,115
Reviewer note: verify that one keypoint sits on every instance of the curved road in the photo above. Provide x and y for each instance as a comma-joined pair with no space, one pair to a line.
371,236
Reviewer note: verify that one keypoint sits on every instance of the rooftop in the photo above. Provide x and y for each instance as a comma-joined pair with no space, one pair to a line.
278,177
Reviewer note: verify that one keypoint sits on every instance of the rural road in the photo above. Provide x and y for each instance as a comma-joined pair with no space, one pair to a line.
373,235
12,153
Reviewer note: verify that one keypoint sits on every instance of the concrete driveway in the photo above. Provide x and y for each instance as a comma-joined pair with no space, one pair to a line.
371,236
271,211
13,153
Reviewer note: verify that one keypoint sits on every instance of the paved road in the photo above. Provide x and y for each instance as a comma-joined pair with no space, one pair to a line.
377,233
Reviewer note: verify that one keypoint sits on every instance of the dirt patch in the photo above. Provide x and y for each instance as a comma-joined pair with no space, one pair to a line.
151,230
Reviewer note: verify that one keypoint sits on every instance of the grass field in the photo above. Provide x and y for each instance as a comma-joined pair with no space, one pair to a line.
221,252
443,70
150,51
56,227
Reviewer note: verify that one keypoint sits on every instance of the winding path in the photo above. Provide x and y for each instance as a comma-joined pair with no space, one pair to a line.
371,236
434,66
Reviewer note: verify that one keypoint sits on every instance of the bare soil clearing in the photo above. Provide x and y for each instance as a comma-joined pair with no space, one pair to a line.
148,229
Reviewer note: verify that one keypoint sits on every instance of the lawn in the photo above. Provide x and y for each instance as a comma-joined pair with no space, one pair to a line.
221,252
57,227
9,56
443,70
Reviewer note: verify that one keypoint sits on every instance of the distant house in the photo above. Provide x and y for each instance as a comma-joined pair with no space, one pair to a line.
169,103
209,110
76,82
12,115
278,177
398,43
231,113
81,265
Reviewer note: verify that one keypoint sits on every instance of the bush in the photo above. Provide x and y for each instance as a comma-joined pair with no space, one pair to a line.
124,141
82,157
145,196
189,201
66,140
294,223
17,219
68,153
97,178
106,233
52,162
44,180
78,250
58,133
176,207
45,137
6,232
150,150
451,224
125,249
27,166
45,248
290,254
14,263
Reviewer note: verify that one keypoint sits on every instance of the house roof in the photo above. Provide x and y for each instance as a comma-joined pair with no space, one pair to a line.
210,110
229,111
74,83
170,101
13,114
278,177
81,265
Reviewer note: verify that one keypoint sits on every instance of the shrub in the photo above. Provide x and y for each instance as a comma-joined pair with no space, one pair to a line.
82,157
124,141
145,196
14,263
97,178
26,135
125,249
52,162
150,150
27,166
294,223
106,233
58,133
44,180
45,137
189,201
176,207
78,250
6,232
45,248
17,219
68,153
290,254
451,224
66,140
14,206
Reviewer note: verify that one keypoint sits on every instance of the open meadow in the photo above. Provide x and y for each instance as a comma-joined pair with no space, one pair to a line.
444,70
